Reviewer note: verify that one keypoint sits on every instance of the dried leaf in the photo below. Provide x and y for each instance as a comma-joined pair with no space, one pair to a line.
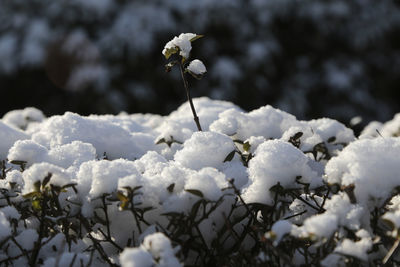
195,192
161,141
18,162
230,156
331,139
46,179
298,135
170,188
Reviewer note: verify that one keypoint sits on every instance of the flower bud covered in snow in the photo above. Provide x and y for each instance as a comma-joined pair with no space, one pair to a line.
196,68
181,44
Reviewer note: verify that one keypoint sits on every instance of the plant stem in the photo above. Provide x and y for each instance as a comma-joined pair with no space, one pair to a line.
185,83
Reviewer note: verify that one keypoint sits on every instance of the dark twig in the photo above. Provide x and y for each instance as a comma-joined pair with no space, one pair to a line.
185,84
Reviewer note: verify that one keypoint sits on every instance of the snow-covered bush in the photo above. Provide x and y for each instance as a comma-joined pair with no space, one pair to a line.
252,189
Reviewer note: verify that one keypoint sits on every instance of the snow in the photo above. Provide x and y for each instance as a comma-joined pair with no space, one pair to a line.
96,178
361,162
5,229
371,130
392,127
135,257
67,259
182,42
318,226
393,213
208,181
156,250
106,157
21,118
265,121
10,212
388,129
276,161
61,130
160,248
204,149
39,171
278,231
8,136
27,238
65,156
197,67
348,215
356,249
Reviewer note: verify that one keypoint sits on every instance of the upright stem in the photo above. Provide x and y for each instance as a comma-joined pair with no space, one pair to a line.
195,117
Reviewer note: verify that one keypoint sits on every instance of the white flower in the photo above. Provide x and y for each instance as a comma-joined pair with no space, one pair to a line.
197,67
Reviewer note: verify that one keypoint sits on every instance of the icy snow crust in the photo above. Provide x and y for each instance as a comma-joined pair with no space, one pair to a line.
161,163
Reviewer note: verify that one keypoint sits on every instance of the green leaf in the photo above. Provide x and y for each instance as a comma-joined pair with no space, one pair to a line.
195,192
230,156
198,36
122,197
246,146
170,188
36,204
32,195
171,51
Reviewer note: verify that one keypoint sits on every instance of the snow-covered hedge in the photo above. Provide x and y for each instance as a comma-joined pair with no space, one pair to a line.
257,188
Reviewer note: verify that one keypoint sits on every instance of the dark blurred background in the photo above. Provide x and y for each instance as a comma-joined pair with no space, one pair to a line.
312,58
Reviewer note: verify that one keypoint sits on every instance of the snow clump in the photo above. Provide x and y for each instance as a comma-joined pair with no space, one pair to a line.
371,166
181,42
197,67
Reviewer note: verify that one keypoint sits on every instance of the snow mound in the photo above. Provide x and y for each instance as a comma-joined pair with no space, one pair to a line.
361,163
276,162
115,141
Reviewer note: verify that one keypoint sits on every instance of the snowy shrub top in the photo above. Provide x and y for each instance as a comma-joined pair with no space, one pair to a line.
371,166
275,162
8,136
149,190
